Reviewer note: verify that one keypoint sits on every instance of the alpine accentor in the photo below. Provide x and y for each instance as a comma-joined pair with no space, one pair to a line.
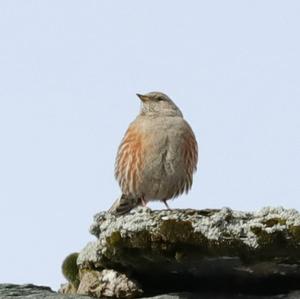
157,156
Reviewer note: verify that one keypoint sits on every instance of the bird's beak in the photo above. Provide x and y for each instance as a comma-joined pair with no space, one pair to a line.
143,98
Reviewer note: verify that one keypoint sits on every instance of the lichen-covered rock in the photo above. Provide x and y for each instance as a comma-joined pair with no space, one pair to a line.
29,291
183,250
67,288
22,291
293,295
107,283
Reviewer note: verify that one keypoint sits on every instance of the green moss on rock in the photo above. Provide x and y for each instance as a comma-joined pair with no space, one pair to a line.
275,240
295,232
114,239
256,229
70,269
274,221
176,231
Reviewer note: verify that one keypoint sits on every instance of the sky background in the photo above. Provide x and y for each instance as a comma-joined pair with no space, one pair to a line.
69,72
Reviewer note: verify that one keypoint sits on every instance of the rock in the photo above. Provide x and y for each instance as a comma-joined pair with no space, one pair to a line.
13,290
68,288
29,291
194,251
294,295
107,283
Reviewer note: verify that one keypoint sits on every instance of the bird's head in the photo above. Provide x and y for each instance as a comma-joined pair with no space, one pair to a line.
158,103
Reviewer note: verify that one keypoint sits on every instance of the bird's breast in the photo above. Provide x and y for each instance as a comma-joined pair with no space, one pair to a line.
151,160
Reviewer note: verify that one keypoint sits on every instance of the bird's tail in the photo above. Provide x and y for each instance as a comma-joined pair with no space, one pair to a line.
124,205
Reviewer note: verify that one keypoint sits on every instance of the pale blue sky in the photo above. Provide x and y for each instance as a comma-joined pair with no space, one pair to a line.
69,71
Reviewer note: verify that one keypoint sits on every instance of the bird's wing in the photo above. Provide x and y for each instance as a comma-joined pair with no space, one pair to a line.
190,149
190,155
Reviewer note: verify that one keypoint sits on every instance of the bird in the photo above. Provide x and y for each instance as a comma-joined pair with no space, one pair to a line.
124,204
157,156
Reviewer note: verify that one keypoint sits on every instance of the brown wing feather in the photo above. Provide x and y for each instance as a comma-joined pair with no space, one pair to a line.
190,156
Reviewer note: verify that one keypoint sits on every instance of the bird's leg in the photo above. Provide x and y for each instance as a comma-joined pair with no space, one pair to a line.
143,201
166,204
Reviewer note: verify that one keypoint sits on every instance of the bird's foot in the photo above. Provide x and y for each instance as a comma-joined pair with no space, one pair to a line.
143,201
166,204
